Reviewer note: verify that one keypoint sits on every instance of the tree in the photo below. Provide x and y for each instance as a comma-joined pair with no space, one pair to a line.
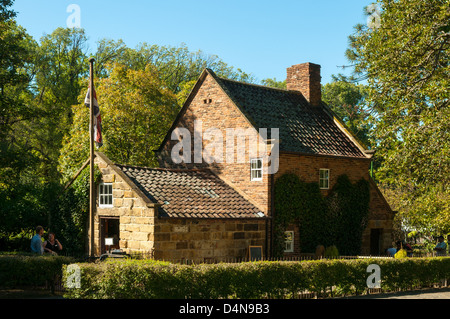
171,73
137,110
406,62
108,52
177,66
274,83
21,193
15,57
348,101
61,64
44,123
5,12
37,85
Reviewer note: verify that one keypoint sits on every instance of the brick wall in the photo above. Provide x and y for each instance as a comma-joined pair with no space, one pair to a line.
307,168
214,109
305,78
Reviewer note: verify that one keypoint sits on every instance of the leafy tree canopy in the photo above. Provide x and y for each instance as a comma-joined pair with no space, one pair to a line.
405,59
44,123
137,110
348,101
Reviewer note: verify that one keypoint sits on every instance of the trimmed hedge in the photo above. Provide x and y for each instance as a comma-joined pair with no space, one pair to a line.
135,279
30,270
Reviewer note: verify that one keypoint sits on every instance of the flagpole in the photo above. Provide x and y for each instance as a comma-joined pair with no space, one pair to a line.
91,166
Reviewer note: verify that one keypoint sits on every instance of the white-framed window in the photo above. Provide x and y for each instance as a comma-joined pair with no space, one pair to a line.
324,178
256,169
288,241
105,195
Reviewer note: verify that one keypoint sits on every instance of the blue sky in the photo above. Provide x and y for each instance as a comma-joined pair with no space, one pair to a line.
260,37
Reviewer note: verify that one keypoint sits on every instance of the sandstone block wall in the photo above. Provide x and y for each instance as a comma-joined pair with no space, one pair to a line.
206,240
136,219
143,232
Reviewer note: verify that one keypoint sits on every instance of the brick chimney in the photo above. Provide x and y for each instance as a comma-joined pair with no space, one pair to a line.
305,78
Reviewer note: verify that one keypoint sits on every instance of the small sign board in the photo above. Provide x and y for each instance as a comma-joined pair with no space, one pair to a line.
109,241
255,253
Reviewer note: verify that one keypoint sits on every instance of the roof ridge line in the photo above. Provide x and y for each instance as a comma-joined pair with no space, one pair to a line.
165,169
261,86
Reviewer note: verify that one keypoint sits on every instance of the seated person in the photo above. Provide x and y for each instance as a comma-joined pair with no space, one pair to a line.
391,251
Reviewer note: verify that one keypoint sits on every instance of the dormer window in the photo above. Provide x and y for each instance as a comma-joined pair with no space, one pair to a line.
256,169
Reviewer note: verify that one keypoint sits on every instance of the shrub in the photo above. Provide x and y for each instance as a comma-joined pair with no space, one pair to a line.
331,251
135,279
30,270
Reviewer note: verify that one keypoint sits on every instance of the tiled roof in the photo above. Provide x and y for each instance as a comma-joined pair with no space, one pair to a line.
196,193
302,128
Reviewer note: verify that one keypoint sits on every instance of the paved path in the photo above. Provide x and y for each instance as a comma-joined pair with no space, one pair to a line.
435,293
438,293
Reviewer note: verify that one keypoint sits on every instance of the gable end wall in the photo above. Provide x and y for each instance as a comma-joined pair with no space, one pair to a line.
221,113
136,218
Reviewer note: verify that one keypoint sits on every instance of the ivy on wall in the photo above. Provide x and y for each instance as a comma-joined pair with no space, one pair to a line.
338,219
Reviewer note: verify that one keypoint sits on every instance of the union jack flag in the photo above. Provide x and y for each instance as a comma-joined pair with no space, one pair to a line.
97,118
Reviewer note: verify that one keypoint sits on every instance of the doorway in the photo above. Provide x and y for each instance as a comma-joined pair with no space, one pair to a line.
109,233
375,241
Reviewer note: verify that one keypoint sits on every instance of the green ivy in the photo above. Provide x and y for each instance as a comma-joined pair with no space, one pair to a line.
321,220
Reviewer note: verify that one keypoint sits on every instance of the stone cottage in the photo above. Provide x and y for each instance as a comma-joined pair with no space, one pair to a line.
174,214
212,196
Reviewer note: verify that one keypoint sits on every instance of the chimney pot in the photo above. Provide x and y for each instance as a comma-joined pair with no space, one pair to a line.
306,79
